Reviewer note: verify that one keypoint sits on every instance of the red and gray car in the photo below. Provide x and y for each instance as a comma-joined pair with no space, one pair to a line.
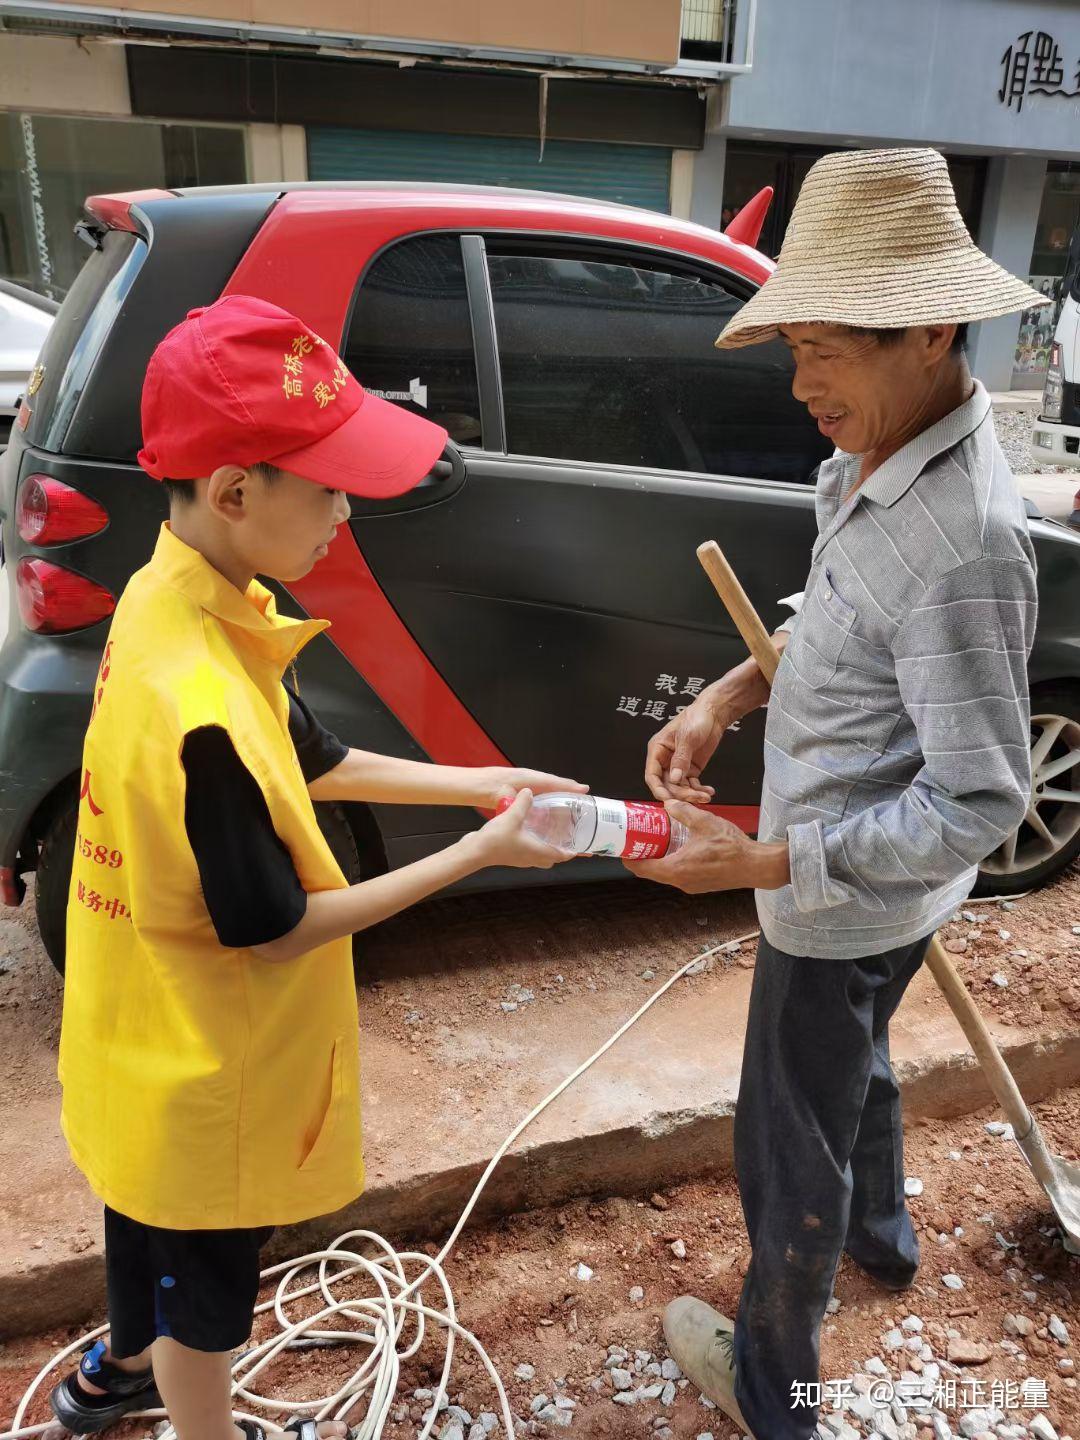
536,600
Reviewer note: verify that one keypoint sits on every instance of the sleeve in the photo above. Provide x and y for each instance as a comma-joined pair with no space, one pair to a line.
793,603
961,666
317,748
249,881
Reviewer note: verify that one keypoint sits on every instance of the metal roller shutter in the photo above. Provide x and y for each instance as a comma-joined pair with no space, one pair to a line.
632,174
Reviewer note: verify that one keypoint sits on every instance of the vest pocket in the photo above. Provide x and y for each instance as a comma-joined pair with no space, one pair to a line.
323,1144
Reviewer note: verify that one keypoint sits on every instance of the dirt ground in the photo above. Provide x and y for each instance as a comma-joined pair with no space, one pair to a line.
571,940
516,1290
477,952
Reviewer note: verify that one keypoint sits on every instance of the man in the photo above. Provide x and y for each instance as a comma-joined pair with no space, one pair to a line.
896,749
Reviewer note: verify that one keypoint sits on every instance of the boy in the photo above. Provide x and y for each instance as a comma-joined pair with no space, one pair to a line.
209,1051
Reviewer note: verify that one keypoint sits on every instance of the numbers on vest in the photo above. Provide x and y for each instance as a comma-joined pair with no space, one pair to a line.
100,854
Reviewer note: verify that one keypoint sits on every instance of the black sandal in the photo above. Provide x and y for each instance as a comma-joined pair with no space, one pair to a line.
85,1414
302,1426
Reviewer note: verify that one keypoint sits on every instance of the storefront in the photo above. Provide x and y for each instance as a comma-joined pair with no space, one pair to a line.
751,165
628,174
995,88
1059,219
585,99
50,163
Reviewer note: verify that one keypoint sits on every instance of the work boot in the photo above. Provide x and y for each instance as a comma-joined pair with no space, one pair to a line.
702,1344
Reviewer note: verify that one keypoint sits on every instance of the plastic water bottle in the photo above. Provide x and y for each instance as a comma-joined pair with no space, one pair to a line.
591,825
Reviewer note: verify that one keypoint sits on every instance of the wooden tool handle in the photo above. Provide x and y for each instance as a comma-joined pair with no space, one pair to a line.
998,1075
747,620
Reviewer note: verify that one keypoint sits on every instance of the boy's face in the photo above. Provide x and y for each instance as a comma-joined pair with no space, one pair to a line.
283,528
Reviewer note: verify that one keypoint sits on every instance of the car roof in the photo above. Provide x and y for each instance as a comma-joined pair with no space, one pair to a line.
410,187
499,202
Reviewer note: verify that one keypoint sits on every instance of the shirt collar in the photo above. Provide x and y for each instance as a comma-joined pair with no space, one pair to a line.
897,475
250,615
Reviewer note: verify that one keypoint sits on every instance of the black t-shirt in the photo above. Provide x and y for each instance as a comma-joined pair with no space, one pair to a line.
249,881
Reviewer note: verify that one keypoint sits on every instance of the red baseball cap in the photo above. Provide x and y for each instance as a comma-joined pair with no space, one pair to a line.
243,382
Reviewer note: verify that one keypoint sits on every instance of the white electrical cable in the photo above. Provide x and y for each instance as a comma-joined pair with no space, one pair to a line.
379,1320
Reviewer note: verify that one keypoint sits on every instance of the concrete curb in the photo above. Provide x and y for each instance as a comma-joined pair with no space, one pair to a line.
666,1147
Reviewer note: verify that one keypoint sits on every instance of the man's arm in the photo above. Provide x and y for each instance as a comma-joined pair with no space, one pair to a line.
961,665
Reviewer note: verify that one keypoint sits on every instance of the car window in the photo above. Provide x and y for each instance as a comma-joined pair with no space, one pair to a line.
614,361
410,339
78,333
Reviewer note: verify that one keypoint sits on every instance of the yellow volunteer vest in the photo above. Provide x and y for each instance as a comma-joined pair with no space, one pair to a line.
204,1088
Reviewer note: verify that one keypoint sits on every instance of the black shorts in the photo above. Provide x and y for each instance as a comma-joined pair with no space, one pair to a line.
198,1287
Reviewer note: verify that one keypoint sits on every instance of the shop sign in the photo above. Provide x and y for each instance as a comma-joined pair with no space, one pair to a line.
1033,65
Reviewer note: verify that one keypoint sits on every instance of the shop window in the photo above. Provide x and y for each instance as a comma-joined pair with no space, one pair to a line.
14,257
1057,238
613,361
49,164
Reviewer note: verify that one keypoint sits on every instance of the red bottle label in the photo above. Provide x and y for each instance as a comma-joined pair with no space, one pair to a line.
648,831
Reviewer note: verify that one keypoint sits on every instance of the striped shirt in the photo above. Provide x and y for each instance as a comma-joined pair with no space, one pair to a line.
897,744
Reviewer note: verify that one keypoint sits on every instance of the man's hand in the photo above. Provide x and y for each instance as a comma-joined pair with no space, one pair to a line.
499,783
679,752
717,856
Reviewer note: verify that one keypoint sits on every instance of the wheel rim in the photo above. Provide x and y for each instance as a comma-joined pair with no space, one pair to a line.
1053,814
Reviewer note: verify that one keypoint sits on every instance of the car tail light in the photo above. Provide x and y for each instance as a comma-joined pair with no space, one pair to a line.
12,886
54,601
50,512
1055,384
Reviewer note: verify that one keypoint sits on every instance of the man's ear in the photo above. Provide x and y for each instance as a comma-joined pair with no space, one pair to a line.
937,342
226,492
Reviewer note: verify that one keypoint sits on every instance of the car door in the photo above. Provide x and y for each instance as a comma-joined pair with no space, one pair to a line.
550,576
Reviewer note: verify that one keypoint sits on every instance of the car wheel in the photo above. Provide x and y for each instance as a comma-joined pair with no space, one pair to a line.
1048,837
355,866
58,851
54,881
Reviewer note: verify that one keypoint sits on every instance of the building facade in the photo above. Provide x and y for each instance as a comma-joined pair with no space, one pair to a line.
995,86
685,107
579,97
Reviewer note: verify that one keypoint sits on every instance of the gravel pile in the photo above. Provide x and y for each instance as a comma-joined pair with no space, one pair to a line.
1014,436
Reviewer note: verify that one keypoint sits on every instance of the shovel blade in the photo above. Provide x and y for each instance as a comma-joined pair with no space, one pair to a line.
1061,1181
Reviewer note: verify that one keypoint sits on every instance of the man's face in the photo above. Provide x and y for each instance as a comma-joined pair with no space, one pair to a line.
862,393
288,524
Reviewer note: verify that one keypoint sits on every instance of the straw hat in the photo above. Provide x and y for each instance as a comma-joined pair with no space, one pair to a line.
876,240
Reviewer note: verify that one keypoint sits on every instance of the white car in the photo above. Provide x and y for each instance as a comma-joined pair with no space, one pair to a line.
25,320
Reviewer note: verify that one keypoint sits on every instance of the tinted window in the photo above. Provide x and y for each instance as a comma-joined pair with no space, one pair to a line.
615,361
78,333
410,338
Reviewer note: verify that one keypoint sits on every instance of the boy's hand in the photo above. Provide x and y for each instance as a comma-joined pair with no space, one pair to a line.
504,783
504,841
